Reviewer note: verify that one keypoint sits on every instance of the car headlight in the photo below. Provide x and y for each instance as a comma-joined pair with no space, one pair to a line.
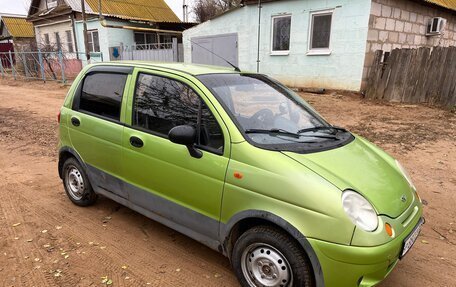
405,174
359,210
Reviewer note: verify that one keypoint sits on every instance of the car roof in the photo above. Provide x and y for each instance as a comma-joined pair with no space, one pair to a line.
193,69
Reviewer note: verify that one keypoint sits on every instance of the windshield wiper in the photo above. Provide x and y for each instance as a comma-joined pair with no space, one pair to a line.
316,129
286,133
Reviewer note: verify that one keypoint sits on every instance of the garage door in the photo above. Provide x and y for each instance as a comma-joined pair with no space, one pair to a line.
224,46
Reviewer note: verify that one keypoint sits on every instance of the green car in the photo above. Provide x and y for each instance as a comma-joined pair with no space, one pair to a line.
240,163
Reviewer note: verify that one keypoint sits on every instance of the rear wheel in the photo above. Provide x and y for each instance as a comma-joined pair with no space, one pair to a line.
76,184
266,256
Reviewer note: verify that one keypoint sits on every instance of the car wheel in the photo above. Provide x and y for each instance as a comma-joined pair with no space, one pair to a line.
266,256
76,184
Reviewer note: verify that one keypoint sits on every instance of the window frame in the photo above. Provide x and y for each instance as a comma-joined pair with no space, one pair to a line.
69,41
58,41
157,134
319,51
77,96
92,43
280,52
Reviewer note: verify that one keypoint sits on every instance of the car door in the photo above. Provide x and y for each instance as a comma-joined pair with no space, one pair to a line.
162,177
95,125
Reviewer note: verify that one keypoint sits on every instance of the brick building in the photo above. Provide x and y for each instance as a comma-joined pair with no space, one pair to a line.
407,24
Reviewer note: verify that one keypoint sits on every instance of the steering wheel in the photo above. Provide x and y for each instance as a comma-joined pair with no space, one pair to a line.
262,119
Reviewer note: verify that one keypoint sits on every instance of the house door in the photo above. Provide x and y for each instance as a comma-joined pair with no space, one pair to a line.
225,46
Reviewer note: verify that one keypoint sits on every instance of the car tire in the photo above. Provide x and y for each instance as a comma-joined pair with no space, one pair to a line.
266,256
76,183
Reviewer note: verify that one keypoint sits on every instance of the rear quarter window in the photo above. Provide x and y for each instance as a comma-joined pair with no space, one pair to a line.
102,93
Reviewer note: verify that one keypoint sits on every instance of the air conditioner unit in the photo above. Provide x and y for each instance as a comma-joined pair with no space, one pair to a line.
436,26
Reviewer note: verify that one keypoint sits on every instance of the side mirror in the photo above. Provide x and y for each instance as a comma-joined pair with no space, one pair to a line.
185,135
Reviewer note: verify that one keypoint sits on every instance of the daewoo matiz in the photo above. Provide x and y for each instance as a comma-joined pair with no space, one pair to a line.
240,163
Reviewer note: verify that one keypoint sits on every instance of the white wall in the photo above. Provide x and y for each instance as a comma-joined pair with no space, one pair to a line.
342,69
51,29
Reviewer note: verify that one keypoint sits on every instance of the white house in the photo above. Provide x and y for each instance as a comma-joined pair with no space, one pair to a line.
311,43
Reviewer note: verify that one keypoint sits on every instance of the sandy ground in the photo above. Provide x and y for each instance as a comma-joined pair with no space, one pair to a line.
47,241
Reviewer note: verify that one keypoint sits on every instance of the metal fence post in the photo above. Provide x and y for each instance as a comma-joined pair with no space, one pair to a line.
13,69
175,51
24,61
62,66
40,58
1,67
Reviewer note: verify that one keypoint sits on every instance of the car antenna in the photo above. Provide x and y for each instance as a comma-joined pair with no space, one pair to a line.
236,68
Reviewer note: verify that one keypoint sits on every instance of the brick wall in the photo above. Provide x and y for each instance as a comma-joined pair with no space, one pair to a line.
403,24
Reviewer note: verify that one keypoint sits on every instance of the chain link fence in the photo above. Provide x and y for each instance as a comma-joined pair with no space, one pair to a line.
45,66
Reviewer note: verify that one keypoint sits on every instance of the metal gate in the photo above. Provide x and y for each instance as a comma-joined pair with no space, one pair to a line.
223,46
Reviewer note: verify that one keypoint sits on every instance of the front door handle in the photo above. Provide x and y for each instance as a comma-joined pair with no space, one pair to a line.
136,142
75,122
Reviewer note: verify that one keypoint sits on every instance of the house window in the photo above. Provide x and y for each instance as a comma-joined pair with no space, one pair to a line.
47,43
58,43
94,41
51,3
320,32
69,39
281,27
146,40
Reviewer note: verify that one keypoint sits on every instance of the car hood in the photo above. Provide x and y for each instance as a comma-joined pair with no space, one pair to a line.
363,167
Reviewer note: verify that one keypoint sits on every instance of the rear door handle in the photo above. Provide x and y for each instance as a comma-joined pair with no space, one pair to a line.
136,142
75,122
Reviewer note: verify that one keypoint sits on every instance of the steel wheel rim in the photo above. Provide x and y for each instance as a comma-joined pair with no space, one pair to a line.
74,183
263,265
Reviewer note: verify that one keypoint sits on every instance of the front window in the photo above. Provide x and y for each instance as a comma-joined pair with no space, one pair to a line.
320,32
94,41
161,104
269,114
281,28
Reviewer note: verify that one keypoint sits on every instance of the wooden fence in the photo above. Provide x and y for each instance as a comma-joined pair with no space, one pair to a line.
421,75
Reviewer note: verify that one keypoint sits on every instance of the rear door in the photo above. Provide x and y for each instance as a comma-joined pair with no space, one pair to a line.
162,176
96,124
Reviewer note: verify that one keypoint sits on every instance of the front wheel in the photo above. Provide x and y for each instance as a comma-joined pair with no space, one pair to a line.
266,256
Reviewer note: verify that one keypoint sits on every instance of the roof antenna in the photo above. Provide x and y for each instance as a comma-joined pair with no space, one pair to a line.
236,68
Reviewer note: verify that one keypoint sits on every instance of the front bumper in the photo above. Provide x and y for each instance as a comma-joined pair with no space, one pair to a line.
352,266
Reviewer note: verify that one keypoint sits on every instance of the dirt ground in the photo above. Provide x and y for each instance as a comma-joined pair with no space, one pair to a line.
47,241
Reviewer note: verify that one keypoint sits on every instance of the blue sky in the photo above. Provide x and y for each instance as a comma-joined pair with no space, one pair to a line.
21,6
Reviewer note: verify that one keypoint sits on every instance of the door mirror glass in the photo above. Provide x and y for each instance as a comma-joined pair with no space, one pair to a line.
185,135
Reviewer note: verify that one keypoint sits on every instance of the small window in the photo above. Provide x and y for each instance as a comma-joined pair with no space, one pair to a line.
161,104
58,42
69,39
51,4
102,94
281,28
47,43
94,42
320,32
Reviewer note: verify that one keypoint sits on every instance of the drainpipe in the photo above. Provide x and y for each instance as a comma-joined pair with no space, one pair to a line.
259,36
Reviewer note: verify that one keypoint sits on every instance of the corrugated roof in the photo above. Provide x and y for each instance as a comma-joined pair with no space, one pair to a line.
147,10
18,27
449,4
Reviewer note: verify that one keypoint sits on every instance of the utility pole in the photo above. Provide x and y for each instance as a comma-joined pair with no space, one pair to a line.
185,11
84,24
100,13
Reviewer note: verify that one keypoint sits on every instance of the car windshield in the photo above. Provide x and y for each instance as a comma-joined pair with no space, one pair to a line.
266,111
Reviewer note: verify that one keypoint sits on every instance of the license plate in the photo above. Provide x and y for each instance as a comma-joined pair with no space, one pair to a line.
410,240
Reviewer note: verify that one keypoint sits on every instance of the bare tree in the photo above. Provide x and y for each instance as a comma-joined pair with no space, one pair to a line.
206,9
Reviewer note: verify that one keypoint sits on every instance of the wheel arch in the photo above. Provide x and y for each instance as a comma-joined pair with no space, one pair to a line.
64,154
245,220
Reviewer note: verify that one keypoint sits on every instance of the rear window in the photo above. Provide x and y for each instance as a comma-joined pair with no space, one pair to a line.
102,94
